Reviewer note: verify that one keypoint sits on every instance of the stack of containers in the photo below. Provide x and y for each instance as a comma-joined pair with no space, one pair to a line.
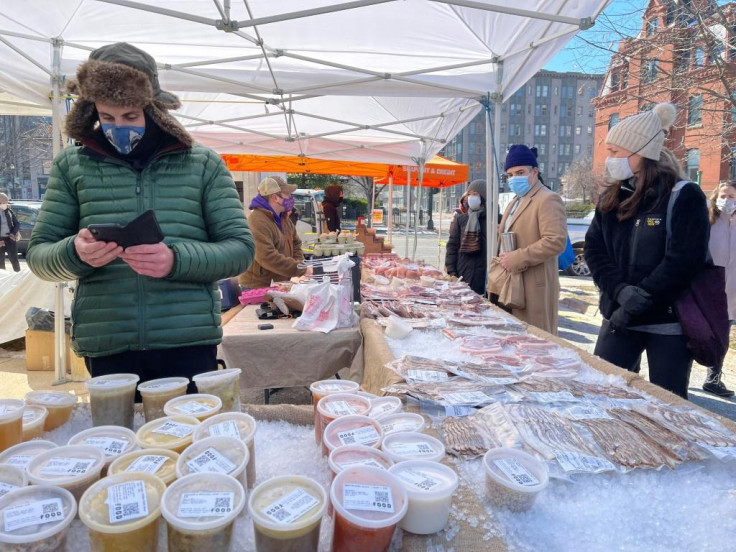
351,430
111,399
158,462
335,406
224,384
323,388
222,454
113,441
170,432
156,393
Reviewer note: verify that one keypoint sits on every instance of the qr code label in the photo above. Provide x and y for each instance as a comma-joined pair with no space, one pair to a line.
418,449
366,435
291,506
516,472
211,460
205,504
66,466
127,501
375,498
175,429
35,513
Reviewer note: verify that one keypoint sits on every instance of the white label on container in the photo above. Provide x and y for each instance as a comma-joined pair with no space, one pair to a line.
19,460
227,429
150,463
383,408
5,488
459,411
192,407
412,449
361,436
211,461
5,408
35,513
470,397
340,408
108,445
205,504
109,382
372,462
427,375
290,507
61,465
175,429
516,472
127,501
582,412
330,387
548,397
375,498
160,386
393,427
28,416
419,479
575,462
52,398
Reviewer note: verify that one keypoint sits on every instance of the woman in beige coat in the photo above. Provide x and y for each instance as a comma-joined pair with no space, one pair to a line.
537,218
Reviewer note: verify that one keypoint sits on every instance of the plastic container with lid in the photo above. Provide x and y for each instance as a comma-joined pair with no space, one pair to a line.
221,383
158,462
430,487
111,399
39,518
200,509
405,445
403,421
334,406
287,513
170,432
34,418
384,406
72,467
20,455
351,430
122,511
369,503
113,441
11,478
397,328
11,422
220,454
234,424
199,405
58,403
351,456
156,393
513,478
323,388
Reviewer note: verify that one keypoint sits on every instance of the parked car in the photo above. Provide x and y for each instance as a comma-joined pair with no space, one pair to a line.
27,211
577,228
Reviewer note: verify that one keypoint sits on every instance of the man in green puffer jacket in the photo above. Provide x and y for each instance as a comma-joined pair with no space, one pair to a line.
152,310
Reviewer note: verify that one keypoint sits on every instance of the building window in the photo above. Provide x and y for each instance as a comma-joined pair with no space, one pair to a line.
612,121
542,91
695,110
540,110
652,26
732,167
733,107
669,17
540,130
514,130
589,150
555,111
577,149
592,91
682,61
590,130
569,110
649,70
516,109
580,110
529,109
542,149
615,81
541,167
554,149
554,130
556,91
693,162
478,148
578,130
591,112
699,57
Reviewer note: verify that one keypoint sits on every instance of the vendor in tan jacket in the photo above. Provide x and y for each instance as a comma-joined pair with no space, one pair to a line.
278,247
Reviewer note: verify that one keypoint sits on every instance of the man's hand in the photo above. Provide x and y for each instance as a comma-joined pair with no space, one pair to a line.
505,262
155,260
95,253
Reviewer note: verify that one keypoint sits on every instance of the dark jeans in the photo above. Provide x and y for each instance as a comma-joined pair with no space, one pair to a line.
669,359
11,246
157,363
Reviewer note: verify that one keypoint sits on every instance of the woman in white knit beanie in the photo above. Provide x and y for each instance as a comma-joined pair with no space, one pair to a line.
625,250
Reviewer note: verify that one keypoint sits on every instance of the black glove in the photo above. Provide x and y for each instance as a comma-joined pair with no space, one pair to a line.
620,320
635,300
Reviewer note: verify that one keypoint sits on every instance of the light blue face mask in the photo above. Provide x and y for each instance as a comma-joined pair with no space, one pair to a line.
519,185
123,138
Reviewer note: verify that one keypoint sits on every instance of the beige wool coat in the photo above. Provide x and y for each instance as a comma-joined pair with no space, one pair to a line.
540,225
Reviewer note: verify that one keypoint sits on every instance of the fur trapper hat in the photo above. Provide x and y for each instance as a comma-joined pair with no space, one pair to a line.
123,76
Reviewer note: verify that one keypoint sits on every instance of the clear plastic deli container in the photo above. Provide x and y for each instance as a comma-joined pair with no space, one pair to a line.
220,454
406,445
351,430
351,456
158,462
58,403
200,405
384,406
73,468
11,478
287,513
156,393
111,440
111,399
340,404
323,388
200,509
34,418
122,511
11,422
170,432
36,519
513,478
403,421
221,383
369,503
430,487
20,455
233,424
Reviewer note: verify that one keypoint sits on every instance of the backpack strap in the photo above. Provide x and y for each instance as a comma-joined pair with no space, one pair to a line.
670,206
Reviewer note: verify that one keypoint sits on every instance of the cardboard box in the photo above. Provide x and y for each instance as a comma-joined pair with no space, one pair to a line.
40,351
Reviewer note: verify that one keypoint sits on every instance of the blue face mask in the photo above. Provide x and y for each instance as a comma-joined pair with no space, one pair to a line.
123,138
519,185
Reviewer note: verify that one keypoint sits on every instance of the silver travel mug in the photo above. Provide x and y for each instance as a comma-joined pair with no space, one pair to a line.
508,242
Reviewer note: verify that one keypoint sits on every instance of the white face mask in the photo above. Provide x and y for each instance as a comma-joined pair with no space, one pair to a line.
3,206
618,168
473,201
726,205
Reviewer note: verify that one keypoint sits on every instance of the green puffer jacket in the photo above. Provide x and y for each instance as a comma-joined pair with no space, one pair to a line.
202,219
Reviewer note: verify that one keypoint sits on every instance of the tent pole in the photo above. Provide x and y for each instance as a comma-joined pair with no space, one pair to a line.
373,200
439,236
493,173
390,205
418,207
407,210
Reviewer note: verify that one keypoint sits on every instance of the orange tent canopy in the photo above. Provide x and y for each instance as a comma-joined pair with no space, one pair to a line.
438,173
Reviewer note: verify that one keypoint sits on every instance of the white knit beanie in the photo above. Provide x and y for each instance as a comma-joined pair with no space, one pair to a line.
643,133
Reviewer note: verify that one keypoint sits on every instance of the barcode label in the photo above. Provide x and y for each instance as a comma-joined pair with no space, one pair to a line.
211,461
227,429
149,463
175,429
127,501
468,398
459,411
516,472
28,416
412,449
579,412
574,462
383,408
108,445
35,513
419,479
374,498
66,466
361,436
192,407
5,488
394,427
205,504
19,460
427,375
290,507
372,462
340,408
548,397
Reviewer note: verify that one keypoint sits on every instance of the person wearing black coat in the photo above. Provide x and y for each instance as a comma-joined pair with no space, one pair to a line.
331,207
9,227
466,247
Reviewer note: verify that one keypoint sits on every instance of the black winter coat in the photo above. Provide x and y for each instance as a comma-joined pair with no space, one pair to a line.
471,266
633,251
11,219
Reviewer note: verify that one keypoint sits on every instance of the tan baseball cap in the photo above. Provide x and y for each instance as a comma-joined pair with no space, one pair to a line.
274,185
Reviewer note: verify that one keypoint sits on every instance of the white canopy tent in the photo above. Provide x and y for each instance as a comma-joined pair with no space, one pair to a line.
386,81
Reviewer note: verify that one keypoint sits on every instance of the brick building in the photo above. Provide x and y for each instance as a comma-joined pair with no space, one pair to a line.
685,54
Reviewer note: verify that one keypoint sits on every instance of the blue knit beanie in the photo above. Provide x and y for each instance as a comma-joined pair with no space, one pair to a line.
520,156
